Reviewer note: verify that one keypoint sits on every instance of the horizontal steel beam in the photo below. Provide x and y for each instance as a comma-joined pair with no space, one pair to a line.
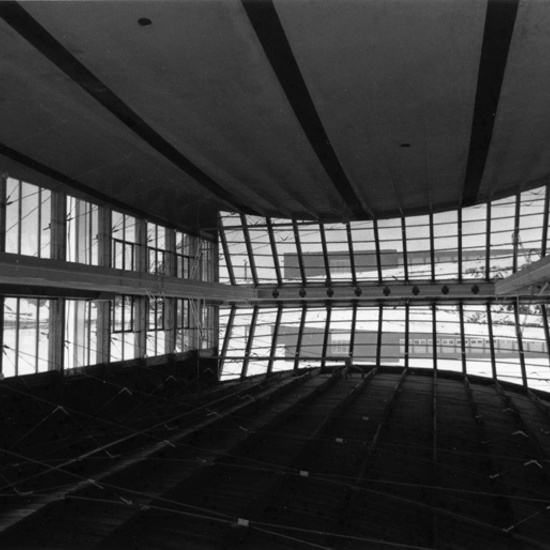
18,272
392,292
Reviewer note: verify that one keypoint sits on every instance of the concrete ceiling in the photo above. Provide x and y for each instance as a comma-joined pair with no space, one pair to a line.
331,110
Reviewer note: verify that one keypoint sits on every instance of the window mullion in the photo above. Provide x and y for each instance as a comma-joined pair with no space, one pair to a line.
249,249
351,255
299,251
274,252
325,254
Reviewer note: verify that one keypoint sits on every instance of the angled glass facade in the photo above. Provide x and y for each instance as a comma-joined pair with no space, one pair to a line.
481,334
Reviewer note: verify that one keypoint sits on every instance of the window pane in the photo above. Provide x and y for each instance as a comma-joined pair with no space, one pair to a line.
477,344
390,234
449,356
392,351
502,236
313,337
421,337
364,247
530,226
418,247
366,335
446,245
474,250
287,339
506,343
263,256
312,251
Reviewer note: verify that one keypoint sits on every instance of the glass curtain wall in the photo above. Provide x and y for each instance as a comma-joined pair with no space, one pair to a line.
504,339
65,332
488,241
476,339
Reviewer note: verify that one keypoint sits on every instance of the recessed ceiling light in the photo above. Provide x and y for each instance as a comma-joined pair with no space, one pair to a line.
144,22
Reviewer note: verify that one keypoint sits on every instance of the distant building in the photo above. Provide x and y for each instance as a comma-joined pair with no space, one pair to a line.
392,350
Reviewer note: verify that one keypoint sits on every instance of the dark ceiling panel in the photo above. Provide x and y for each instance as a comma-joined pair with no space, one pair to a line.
22,22
48,118
394,85
310,110
200,78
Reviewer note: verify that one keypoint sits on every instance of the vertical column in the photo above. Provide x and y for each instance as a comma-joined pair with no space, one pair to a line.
377,244
300,337
325,254
141,302
407,333
274,336
353,328
351,255
432,248
82,245
215,310
379,337
56,331
81,248
226,339
434,335
104,253
169,305
544,242
326,336
404,242
459,253
56,334
20,216
58,226
248,350
462,336
274,251
299,251
196,306
517,236
488,244
249,250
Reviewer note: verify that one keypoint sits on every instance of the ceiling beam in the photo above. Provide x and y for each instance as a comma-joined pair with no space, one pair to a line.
497,37
267,25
